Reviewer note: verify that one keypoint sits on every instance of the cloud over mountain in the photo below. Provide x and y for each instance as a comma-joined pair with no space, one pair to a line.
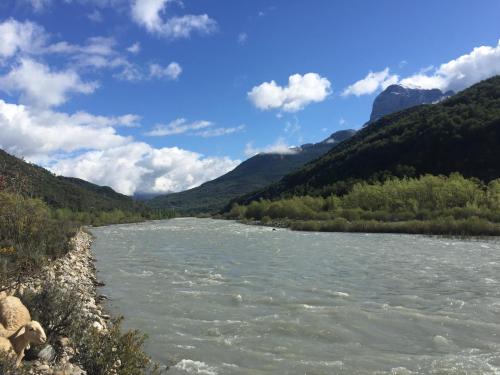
457,74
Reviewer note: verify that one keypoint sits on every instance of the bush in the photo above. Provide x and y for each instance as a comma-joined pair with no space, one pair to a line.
29,237
56,309
8,366
428,204
104,353
61,313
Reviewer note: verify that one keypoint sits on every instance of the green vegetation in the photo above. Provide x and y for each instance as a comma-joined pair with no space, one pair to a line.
460,134
254,173
32,233
39,213
98,352
429,204
72,199
77,195
29,237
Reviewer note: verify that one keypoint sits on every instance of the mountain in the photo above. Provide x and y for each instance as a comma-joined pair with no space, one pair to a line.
254,173
57,191
397,97
459,134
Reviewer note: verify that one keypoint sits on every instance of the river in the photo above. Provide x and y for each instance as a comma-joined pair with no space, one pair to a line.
218,297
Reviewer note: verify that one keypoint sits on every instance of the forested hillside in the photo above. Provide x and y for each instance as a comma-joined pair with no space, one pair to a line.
460,134
59,192
254,173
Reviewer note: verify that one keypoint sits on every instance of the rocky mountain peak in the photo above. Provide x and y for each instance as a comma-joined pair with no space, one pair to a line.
398,97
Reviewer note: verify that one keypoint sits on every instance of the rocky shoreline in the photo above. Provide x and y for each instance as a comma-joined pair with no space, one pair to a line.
74,272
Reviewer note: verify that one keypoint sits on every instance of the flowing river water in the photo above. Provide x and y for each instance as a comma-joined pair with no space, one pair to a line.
219,297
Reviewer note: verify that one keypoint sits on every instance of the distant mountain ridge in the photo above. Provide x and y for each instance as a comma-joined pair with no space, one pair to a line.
459,134
252,174
58,191
396,98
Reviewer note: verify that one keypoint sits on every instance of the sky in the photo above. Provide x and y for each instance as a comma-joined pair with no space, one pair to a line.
158,96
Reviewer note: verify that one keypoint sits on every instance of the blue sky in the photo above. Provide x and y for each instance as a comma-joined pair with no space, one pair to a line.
194,79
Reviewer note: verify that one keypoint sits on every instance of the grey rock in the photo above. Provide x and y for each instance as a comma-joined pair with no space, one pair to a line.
396,98
47,354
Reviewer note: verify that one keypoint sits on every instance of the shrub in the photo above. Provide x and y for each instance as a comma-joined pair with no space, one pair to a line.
31,236
104,353
8,366
61,313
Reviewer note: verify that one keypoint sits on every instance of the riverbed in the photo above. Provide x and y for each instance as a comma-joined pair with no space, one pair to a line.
219,297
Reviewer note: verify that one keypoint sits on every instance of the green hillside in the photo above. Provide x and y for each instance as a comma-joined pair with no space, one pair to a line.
460,134
254,173
59,192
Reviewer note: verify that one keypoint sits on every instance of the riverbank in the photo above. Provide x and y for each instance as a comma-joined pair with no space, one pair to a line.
82,338
440,205
472,227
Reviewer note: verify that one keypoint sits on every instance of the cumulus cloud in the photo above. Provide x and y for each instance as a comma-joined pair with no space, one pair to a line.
18,37
279,147
149,14
137,167
87,146
41,87
37,134
29,40
172,71
373,82
481,63
301,91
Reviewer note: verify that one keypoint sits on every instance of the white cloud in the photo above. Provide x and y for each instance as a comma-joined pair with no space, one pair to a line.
279,147
217,132
137,167
87,146
242,38
373,82
172,71
178,126
184,26
41,87
481,63
200,128
134,48
23,40
301,91
130,73
148,13
37,134
18,37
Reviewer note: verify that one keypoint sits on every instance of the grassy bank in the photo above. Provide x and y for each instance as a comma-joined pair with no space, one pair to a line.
449,205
